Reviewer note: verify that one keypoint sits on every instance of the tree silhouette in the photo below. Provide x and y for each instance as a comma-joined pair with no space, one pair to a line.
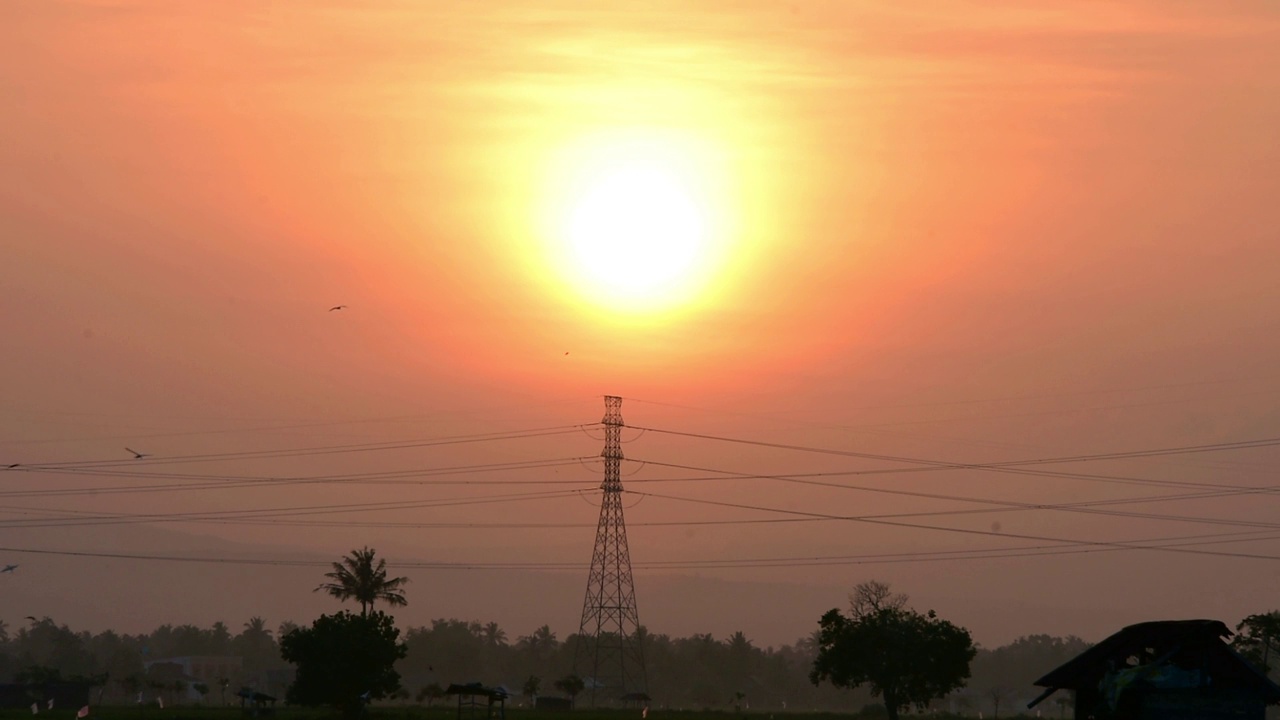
344,661
494,636
997,693
1257,637
358,577
570,685
531,688
256,645
431,693
907,658
871,597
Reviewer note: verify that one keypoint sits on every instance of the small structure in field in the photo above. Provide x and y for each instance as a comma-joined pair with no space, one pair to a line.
254,703
1168,670
480,701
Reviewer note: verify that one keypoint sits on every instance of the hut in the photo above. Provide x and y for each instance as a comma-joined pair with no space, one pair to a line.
254,703
1166,670
476,701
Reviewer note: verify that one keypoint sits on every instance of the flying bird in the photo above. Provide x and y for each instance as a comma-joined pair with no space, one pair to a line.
9,568
337,307
137,455
13,465
32,619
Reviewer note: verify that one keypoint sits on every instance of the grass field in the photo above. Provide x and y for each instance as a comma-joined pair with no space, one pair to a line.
441,712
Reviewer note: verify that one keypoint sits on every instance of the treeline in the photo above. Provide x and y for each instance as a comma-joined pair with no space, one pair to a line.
695,672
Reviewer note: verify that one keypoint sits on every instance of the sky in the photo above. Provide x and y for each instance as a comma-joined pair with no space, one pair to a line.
881,243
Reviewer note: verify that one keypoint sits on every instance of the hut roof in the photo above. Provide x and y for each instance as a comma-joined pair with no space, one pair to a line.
1188,643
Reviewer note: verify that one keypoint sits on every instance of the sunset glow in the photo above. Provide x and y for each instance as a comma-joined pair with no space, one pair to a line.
969,297
634,222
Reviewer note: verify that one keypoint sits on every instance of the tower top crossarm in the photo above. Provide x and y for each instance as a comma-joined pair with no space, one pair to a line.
612,452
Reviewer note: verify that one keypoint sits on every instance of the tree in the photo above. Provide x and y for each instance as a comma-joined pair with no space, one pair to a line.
539,644
998,693
570,685
1256,638
873,596
531,688
905,657
494,636
358,577
201,688
256,645
431,693
343,660
131,684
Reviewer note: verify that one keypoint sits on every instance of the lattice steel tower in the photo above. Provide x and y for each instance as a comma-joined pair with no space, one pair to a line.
608,656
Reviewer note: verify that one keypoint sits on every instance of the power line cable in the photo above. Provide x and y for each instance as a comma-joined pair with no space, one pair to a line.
951,465
1088,507
127,519
943,528
875,558
317,450
216,482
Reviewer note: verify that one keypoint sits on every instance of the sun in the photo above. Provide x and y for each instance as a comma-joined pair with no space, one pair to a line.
637,231
635,224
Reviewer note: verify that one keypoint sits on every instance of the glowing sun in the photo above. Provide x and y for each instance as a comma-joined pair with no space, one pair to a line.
635,222
638,229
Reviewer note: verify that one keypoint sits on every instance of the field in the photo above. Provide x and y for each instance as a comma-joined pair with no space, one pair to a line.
443,712
438,712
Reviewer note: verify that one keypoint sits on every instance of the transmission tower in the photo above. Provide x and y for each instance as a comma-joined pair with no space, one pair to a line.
608,656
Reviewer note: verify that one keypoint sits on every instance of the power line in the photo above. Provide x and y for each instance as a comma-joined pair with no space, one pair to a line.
998,466
1008,505
317,450
1066,548
127,519
417,417
941,528
225,482
1211,490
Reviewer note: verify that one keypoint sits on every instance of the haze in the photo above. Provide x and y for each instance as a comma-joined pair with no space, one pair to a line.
957,232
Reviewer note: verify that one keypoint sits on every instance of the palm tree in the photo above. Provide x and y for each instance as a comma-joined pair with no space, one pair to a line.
256,645
358,577
494,636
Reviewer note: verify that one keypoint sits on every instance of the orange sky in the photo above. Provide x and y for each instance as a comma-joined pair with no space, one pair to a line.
967,231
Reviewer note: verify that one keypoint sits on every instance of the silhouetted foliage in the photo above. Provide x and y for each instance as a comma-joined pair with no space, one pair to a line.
343,660
695,672
430,693
570,685
1256,639
530,689
873,596
905,657
358,577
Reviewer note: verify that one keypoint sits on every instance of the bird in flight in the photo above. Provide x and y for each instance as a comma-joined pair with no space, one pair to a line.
9,568
32,618
137,455
337,307
13,465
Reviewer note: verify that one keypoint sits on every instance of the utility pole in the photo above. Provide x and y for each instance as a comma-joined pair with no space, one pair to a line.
608,656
